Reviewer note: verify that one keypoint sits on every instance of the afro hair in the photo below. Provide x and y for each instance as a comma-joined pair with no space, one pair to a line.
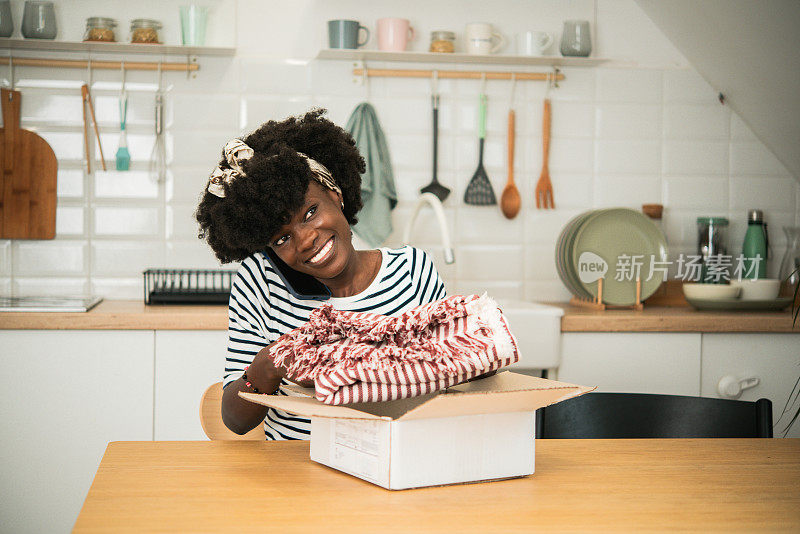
275,183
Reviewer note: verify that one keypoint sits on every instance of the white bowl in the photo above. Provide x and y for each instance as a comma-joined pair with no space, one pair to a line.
762,289
710,291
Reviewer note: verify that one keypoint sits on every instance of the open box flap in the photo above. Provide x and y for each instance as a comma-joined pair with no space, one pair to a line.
503,392
308,407
294,390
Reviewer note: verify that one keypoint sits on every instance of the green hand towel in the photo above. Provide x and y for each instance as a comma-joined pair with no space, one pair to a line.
377,183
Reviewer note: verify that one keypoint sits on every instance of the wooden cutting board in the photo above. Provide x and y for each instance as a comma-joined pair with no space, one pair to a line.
28,178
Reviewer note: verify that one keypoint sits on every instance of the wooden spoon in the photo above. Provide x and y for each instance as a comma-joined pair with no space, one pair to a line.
510,199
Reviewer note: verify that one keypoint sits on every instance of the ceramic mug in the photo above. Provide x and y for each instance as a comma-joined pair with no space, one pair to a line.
479,39
394,34
534,43
575,40
345,34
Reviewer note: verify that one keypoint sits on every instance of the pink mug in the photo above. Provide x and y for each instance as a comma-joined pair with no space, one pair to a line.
394,34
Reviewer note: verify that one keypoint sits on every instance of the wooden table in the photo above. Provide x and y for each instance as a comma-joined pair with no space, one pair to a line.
621,485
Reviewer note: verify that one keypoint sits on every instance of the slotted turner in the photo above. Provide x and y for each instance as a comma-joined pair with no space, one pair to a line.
479,190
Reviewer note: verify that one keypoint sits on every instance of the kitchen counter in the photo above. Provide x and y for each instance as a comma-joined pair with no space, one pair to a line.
135,315
672,319
122,315
580,485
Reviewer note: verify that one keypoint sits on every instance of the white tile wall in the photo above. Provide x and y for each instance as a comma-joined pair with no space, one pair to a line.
5,257
620,137
127,222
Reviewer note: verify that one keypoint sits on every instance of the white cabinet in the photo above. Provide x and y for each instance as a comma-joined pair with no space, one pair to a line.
773,358
64,396
632,362
186,363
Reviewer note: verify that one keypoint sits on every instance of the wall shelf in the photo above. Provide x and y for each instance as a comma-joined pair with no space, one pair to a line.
113,48
434,57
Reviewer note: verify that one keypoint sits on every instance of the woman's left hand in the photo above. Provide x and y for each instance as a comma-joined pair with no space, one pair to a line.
284,370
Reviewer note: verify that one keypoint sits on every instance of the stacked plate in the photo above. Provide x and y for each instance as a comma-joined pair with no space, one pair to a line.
608,243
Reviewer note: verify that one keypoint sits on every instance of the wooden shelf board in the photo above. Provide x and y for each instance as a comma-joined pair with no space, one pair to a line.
434,57
114,48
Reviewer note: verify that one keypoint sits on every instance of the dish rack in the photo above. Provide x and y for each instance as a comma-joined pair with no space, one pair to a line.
187,286
597,302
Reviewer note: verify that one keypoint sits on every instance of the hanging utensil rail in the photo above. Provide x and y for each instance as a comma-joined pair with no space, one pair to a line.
98,64
458,74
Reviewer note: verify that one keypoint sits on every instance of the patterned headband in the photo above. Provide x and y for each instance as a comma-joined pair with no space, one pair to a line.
237,152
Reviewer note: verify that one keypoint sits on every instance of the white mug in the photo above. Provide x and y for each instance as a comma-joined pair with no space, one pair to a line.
479,38
533,43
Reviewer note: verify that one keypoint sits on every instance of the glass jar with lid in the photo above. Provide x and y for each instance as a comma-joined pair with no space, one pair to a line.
443,41
145,31
100,29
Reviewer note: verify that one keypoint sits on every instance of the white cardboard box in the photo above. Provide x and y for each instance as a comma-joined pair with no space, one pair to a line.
480,430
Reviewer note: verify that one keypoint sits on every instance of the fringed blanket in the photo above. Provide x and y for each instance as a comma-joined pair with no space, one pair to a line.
364,357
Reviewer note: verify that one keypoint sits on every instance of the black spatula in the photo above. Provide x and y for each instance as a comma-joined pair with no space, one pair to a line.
435,187
479,190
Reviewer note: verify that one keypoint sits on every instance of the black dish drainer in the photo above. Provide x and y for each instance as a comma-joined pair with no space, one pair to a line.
187,286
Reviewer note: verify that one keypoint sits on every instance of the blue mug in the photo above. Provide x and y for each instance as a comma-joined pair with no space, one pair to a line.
345,34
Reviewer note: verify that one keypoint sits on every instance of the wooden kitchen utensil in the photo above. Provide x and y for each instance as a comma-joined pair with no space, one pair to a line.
87,99
510,200
28,179
544,189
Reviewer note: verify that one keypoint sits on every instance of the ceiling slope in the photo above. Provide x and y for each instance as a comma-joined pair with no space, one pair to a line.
749,50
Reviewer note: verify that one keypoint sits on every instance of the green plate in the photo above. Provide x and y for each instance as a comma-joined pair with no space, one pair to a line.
738,304
609,234
572,273
562,252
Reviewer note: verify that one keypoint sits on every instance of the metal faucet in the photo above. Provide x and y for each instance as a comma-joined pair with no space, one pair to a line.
436,204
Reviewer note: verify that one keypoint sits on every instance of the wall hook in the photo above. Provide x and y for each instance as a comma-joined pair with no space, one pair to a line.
11,70
360,79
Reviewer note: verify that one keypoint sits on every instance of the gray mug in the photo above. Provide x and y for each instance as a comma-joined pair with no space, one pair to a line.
575,40
39,20
345,33
6,25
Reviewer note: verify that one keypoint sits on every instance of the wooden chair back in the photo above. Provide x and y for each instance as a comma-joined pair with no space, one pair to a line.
211,418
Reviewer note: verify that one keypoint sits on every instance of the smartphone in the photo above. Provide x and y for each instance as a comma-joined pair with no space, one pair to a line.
302,286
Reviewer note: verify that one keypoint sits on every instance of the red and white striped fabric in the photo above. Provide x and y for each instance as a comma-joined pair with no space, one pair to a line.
364,357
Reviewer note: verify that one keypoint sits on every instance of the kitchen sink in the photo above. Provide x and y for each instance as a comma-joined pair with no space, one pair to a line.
48,304
537,328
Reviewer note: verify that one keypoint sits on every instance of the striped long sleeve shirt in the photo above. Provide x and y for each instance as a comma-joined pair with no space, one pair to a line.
261,309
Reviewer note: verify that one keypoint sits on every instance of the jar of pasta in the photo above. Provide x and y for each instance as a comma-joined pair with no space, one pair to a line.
100,29
443,41
145,31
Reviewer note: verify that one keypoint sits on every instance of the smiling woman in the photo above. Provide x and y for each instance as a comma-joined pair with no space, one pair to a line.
281,201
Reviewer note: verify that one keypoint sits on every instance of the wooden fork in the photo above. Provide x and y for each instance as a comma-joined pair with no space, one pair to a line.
544,189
